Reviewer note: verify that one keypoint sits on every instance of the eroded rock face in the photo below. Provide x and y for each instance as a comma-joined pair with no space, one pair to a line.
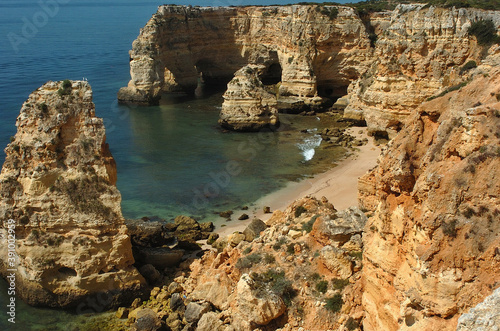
431,247
485,316
247,105
58,185
310,55
419,52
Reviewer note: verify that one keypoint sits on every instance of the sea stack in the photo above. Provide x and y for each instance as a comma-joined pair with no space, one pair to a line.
58,186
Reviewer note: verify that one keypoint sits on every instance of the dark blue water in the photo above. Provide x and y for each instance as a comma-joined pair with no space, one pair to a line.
173,158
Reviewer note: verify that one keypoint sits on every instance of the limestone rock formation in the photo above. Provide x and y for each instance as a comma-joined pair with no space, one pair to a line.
431,247
58,185
247,105
418,53
485,316
280,280
311,54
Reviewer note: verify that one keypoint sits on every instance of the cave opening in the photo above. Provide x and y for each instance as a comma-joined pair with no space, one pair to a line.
272,75
332,90
211,78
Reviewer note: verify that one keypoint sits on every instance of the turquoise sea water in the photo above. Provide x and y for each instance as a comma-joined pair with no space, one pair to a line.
172,159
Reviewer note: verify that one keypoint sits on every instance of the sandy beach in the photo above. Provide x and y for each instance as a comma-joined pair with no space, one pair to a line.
339,185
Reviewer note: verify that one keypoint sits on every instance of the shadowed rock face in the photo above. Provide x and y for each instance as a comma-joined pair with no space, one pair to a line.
58,185
431,246
311,56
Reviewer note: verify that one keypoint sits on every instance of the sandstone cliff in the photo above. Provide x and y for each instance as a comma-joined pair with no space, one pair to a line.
58,185
313,53
419,52
431,246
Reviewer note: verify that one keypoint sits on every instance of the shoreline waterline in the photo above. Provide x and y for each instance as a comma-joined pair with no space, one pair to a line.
338,184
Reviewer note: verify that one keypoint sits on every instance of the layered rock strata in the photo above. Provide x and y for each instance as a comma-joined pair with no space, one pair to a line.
313,54
247,105
58,186
309,52
419,52
431,246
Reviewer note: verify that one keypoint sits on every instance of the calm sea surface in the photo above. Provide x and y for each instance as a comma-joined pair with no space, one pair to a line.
172,159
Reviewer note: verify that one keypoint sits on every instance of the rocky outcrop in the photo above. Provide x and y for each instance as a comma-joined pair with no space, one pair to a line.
418,53
485,316
311,52
247,105
58,186
431,246
310,55
280,280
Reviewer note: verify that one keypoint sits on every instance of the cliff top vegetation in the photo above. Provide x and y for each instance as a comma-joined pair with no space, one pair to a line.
371,6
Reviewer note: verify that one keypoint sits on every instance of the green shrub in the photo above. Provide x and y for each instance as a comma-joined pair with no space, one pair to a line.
299,211
65,89
309,224
340,284
352,324
290,248
279,243
248,261
334,303
322,286
468,66
484,31
469,212
268,258
331,12
247,250
278,284
450,229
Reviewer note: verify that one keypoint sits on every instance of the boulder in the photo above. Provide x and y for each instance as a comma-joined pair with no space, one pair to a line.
148,233
175,287
159,257
195,310
253,229
207,227
147,320
210,322
185,223
257,309
212,238
243,217
341,227
150,273
337,261
176,302
235,238
226,214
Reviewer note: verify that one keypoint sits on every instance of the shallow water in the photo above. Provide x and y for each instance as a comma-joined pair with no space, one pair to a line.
172,159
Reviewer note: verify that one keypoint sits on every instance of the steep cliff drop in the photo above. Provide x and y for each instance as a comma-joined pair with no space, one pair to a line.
311,55
431,247
58,185
308,55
